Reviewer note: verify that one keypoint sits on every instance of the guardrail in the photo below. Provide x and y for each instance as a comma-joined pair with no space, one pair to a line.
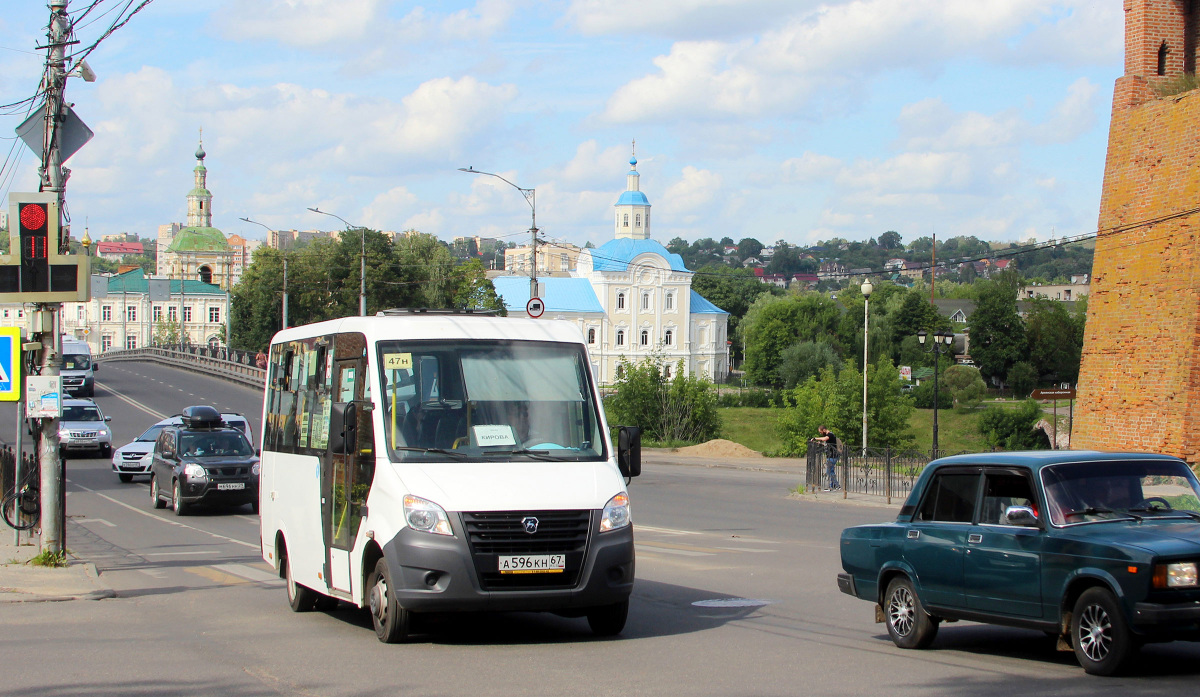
227,364
880,472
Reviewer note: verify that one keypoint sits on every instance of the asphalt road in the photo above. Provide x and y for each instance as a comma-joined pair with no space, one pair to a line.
735,596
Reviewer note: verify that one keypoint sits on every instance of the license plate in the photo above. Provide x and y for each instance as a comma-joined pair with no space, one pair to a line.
533,564
230,486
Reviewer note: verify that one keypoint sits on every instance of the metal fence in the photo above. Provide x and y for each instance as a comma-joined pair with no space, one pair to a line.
30,472
229,364
879,472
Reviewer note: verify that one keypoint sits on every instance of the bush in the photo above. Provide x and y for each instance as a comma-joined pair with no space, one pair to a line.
759,398
923,396
965,385
1022,378
682,408
1013,429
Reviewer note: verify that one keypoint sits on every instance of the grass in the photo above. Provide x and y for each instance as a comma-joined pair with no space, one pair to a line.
50,559
755,428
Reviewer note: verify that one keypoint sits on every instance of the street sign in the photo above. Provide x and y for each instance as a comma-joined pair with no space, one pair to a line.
43,396
906,373
73,134
1053,394
535,307
10,364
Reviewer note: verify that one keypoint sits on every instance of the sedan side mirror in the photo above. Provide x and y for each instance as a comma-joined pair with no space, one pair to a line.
108,418
1023,516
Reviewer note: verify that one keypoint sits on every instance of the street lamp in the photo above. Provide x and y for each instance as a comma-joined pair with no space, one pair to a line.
530,197
362,283
939,338
285,293
866,289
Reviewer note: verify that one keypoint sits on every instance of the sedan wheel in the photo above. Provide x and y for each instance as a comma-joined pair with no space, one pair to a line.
1101,639
907,623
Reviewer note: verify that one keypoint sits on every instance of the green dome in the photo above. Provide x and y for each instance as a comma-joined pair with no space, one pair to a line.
199,239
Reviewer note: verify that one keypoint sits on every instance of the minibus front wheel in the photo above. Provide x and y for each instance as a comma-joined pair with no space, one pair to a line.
391,621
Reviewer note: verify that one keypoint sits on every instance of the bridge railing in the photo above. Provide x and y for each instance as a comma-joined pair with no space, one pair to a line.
229,364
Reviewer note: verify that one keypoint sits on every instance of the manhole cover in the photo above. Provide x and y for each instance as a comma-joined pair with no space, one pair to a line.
731,602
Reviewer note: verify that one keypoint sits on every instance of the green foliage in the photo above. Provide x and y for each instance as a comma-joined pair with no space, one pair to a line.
965,385
166,332
804,360
682,408
1183,82
997,333
1022,378
772,324
835,400
732,290
50,559
1013,429
1055,343
923,395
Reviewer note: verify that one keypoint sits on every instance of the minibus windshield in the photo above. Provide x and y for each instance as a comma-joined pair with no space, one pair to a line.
485,401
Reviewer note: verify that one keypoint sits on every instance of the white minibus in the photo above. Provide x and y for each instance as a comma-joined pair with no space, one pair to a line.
420,461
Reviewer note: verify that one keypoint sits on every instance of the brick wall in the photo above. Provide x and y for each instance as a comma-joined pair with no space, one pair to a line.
1139,383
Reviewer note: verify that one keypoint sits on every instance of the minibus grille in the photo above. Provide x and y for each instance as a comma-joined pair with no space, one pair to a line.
493,534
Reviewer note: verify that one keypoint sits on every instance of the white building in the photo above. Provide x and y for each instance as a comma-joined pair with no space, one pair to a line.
632,298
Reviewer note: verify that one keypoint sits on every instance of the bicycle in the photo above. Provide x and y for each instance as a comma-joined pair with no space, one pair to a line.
22,508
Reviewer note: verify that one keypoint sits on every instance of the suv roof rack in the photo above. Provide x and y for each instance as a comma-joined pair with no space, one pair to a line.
396,311
202,417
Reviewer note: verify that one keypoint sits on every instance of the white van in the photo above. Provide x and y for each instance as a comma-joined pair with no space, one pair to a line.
444,462
78,371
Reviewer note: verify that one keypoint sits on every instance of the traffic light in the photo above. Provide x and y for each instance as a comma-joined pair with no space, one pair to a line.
33,270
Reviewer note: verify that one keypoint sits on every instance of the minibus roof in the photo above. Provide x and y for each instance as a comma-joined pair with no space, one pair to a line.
442,326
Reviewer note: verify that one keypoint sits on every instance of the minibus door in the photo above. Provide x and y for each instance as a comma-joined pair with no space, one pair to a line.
351,465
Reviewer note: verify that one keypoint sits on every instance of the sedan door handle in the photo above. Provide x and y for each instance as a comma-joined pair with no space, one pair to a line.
974,538
914,534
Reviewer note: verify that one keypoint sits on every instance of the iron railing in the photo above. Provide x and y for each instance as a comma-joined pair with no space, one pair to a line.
877,472
230,364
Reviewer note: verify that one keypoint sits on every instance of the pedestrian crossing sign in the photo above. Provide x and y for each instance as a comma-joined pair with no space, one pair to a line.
10,364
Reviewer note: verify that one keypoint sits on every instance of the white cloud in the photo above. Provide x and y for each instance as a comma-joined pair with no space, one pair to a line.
696,191
486,19
1074,115
305,23
932,125
810,167
385,209
706,18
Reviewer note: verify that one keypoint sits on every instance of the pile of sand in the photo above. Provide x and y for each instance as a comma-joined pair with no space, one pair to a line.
719,448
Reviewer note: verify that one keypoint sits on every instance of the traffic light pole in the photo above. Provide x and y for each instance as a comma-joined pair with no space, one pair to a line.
53,180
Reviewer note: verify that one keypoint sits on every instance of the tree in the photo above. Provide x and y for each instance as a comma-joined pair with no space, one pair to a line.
804,360
1013,429
965,385
891,240
732,290
1055,345
682,408
1022,378
997,333
748,247
774,323
166,332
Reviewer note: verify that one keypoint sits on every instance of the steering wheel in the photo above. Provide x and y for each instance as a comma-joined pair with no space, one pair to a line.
1145,503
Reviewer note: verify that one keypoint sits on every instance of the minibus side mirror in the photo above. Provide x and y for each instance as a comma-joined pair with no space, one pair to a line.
343,423
629,450
95,367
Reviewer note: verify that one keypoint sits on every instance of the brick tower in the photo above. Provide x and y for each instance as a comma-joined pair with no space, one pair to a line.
1139,383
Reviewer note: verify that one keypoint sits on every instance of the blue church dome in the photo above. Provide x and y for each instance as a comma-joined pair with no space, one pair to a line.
635,198
616,255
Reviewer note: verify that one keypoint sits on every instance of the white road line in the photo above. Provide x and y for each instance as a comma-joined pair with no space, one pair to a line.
180,554
249,573
664,531
168,522
746,549
94,520
665,550
129,400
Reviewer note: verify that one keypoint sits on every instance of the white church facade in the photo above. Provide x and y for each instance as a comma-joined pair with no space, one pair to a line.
632,299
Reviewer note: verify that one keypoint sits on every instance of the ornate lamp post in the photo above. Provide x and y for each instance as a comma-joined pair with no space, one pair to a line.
866,289
941,344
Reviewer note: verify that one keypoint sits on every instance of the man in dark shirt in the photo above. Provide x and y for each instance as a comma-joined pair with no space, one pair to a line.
832,449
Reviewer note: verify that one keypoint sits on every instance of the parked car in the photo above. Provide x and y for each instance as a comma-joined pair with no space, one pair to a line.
203,461
134,458
1098,549
84,428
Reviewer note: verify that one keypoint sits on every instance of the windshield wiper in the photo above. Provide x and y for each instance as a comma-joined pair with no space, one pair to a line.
437,451
1094,510
535,454
1181,511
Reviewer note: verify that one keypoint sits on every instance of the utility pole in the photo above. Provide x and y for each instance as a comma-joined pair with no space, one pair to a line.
53,180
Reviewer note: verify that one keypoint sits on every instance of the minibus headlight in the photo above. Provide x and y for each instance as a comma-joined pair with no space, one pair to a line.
426,516
193,470
616,513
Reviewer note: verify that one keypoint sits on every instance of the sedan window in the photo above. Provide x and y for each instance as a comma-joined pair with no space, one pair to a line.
951,498
1004,489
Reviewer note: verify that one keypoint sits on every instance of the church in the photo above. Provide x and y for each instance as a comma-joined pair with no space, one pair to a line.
633,299
197,251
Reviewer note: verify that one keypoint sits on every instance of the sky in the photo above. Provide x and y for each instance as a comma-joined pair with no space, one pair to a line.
773,119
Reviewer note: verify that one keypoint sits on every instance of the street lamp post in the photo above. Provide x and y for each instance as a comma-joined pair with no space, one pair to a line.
530,198
866,289
362,282
939,338
228,311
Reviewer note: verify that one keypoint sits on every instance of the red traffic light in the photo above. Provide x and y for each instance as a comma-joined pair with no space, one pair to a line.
33,216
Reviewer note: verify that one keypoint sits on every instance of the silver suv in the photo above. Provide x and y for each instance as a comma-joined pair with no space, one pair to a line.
83,427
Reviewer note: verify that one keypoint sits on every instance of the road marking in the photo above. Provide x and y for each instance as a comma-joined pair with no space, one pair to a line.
139,511
747,549
132,402
180,554
94,520
664,531
667,550
249,572
690,548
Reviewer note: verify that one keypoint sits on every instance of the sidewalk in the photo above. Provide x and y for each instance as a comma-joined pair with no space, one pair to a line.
21,582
